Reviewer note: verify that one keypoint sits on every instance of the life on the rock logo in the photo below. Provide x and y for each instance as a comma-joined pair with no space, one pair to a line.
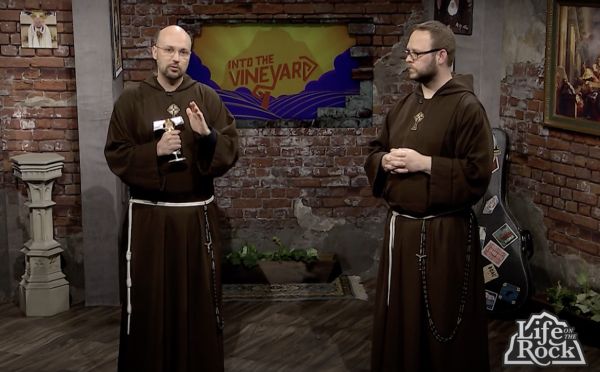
544,340
276,72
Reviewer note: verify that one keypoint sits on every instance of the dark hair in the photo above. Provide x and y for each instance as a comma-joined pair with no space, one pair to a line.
442,37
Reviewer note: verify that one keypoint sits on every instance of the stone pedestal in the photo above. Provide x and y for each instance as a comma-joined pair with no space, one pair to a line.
43,290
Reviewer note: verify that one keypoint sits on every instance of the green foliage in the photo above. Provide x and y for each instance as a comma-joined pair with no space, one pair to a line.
248,256
584,302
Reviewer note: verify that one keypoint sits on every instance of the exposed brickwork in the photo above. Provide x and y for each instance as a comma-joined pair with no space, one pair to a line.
559,170
139,22
321,166
37,105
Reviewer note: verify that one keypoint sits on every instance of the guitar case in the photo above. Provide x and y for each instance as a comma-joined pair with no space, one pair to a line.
506,247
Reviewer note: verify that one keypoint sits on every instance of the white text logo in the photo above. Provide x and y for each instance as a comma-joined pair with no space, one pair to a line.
544,340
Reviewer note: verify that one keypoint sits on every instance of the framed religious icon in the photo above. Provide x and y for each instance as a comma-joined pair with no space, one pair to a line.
572,71
115,24
456,14
38,29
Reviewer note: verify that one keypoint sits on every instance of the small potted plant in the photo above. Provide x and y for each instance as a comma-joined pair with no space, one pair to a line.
579,307
284,265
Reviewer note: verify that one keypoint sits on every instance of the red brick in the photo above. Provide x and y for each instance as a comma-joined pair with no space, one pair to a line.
50,85
17,135
8,27
592,248
276,203
587,222
571,206
321,8
584,197
47,62
349,8
6,62
594,152
593,164
298,9
246,203
48,134
539,95
305,182
538,163
556,236
564,169
558,215
584,210
578,148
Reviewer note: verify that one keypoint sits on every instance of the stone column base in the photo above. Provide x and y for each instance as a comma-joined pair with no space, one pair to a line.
44,299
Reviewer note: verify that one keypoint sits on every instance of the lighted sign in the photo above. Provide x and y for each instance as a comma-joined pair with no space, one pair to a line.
276,72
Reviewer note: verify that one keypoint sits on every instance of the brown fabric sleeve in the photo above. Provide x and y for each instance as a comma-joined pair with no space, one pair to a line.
461,180
377,148
218,157
135,163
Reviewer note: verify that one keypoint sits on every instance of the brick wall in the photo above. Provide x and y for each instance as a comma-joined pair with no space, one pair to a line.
323,167
559,170
37,104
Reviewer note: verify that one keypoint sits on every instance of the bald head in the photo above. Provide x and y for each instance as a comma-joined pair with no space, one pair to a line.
170,33
171,51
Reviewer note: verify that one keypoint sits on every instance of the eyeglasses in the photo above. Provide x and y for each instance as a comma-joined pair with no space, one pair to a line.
416,55
170,51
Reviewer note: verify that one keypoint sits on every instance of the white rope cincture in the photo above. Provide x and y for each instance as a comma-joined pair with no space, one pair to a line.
391,243
129,254
390,249
128,258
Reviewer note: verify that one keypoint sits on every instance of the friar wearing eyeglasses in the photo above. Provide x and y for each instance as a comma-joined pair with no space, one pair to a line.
431,163
168,138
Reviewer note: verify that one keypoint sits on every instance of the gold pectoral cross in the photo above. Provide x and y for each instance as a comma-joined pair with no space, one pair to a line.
418,118
173,109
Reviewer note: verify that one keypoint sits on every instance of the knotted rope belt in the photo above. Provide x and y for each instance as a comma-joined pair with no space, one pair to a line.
422,262
209,249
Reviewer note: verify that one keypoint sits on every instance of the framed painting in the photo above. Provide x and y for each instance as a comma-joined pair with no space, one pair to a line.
572,71
38,29
456,14
115,23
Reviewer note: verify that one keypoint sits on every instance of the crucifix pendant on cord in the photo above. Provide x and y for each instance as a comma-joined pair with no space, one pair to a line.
418,118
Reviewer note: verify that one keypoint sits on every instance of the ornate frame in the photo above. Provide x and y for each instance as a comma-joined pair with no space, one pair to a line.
568,85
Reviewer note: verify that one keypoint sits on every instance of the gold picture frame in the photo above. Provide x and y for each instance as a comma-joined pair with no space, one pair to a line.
115,23
572,67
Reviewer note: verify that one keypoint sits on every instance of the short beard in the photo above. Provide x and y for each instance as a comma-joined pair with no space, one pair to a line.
171,77
427,75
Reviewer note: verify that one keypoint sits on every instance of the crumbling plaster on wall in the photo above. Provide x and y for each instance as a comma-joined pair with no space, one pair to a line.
549,266
524,41
524,36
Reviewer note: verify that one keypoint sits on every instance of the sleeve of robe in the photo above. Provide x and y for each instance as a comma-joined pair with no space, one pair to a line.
461,180
218,152
134,161
377,148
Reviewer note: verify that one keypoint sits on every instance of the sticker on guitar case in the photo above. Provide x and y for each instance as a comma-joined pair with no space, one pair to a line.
509,293
490,299
482,235
497,150
505,235
490,205
494,253
496,165
489,273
